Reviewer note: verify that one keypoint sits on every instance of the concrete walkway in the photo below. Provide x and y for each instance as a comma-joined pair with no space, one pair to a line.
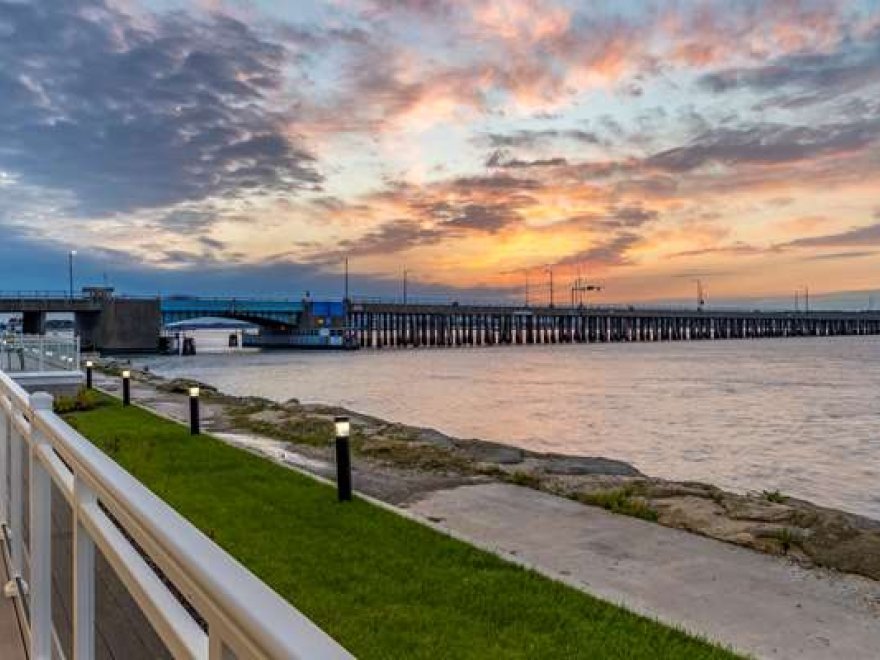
757,604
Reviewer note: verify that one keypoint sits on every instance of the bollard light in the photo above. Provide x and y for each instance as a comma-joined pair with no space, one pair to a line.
126,388
343,458
194,419
89,366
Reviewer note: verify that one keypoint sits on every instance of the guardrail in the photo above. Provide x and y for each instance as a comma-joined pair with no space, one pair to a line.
160,558
39,353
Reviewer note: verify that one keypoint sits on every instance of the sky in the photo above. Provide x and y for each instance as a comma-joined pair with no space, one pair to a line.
251,146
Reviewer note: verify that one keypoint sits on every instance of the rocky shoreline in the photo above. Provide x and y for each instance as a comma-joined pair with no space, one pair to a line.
400,464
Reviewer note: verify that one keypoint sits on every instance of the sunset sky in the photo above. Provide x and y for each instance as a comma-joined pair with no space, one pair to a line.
250,146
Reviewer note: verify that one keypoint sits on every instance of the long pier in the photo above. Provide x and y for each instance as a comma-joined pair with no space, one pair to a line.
380,325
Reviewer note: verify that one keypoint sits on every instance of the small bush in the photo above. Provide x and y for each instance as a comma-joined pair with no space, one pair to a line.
774,496
527,479
620,500
787,538
83,400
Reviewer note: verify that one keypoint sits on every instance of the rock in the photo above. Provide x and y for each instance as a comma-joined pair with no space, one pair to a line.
182,386
703,516
434,437
579,465
758,510
484,451
269,416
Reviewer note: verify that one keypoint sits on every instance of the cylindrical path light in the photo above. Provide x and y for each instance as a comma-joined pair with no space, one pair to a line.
89,366
126,388
343,458
194,419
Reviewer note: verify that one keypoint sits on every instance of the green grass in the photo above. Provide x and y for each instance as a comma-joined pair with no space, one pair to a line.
774,496
384,586
621,500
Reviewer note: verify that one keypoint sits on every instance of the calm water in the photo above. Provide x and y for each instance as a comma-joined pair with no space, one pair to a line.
800,415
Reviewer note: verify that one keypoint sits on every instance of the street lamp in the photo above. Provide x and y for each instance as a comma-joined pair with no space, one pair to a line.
343,458
70,256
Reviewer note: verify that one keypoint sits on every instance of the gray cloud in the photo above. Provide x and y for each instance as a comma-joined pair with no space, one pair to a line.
187,222
127,117
623,217
532,138
816,76
502,159
738,248
767,143
868,236
393,236
611,252
858,254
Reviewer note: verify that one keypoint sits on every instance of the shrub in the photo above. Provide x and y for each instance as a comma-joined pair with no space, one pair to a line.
774,496
83,400
620,500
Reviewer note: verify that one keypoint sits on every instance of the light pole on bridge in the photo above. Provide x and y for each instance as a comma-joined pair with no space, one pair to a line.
70,256
405,277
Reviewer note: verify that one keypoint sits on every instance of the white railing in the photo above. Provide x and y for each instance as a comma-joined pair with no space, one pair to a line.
135,531
39,353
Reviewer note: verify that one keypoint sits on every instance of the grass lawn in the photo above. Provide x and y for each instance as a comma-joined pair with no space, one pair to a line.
383,586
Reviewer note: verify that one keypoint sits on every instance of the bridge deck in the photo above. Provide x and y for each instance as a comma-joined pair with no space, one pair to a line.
618,311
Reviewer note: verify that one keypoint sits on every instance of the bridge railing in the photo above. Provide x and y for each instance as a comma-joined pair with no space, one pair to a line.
35,293
39,353
198,600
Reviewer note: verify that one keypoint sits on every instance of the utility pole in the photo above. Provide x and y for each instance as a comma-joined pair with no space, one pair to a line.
346,278
796,305
527,288
550,272
807,298
70,256
579,287
701,295
405,275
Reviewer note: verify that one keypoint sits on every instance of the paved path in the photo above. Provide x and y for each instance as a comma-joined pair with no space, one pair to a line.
758,604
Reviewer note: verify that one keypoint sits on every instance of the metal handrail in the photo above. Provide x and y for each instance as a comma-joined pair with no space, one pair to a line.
39,353
245,618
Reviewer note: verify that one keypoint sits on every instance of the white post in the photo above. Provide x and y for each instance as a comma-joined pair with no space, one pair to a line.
16,507
83,576
40,540
5,432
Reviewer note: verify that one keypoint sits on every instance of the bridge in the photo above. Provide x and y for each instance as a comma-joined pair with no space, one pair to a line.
377,324
110,323
102,320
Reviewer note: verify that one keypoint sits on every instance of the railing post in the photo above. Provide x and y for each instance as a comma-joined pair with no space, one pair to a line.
5,433
83,575
16,506
40,586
